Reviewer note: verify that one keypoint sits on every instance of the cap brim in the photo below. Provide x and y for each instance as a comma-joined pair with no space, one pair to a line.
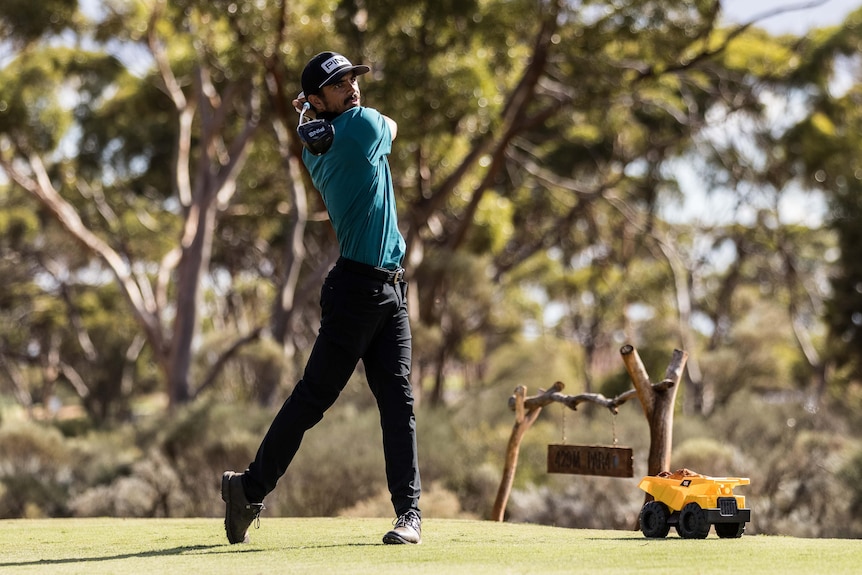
359,69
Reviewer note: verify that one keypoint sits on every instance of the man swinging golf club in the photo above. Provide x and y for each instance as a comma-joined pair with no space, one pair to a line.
363,301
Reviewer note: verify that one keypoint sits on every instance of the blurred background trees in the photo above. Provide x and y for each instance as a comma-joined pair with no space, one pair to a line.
572,176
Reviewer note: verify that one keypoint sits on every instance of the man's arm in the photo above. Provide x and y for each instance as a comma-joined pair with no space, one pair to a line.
300,100
393,127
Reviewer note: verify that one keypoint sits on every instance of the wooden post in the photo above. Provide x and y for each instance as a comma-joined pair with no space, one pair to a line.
657,399
640,378
523,421
658,403
661,426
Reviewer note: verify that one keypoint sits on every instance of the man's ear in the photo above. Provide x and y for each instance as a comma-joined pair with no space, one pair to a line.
316,101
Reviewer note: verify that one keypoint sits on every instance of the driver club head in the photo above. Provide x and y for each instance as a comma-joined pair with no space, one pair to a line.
316,136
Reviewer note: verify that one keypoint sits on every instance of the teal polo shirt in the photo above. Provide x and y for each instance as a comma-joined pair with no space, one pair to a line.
354,179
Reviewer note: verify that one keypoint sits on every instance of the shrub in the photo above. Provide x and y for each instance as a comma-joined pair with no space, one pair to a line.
339,464
35,471
708,456
199,443
851,475
797,493
150,490
578,502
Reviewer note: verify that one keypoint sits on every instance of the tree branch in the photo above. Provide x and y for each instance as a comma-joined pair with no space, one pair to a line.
647,71
554,395
185,108
216,368
65,214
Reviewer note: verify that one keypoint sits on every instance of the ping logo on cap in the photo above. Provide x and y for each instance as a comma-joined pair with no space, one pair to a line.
334,63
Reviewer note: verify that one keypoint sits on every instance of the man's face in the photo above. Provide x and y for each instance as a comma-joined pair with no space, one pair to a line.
340,96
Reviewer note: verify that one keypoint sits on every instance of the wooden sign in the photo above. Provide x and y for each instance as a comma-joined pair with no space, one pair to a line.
590,460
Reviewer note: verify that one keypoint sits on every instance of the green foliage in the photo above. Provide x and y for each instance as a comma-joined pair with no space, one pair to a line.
343,456
624,89
761,54
24,22
792,456
17,227
805,490
710,456
799,462
851,475
536,364
30,110
256,373
34,471
754,363
493,225
461,453
202,442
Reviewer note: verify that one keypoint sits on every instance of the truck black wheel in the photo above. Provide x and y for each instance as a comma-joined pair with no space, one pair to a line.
729,530
653,519
692,522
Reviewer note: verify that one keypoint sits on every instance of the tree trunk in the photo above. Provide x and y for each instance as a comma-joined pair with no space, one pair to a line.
294,246
658,404
294,255
197,241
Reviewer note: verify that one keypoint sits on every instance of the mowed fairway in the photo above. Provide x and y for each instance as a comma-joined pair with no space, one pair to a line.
340,545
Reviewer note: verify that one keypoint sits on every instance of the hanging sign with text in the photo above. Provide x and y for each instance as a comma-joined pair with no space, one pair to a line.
590,460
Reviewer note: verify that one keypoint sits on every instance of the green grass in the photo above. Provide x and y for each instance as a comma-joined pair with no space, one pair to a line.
340,545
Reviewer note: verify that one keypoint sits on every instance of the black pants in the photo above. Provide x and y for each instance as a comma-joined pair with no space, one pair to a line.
361,318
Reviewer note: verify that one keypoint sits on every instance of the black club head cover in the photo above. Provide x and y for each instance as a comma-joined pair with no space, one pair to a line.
316,135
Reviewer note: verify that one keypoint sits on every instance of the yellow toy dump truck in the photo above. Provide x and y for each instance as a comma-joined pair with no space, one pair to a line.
692,503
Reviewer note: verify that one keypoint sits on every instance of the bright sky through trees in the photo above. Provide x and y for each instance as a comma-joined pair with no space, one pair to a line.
814,13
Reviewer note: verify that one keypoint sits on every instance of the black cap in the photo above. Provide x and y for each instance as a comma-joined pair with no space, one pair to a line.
327,68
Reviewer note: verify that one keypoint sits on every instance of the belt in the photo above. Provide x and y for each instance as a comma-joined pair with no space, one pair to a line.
382,274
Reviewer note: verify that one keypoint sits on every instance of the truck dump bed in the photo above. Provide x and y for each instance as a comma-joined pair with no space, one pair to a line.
676,490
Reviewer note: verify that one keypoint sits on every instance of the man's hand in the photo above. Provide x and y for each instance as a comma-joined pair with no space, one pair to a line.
298,103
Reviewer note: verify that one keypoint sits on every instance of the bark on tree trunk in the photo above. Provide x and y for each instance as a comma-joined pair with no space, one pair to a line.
294,256
658,404
196,243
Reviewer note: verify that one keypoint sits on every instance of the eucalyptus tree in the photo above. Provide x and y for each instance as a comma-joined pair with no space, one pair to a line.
536,140
823,150
563,116
51,330
554,127
133,138
796,143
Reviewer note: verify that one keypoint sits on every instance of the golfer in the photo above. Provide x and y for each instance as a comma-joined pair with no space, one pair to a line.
363,306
